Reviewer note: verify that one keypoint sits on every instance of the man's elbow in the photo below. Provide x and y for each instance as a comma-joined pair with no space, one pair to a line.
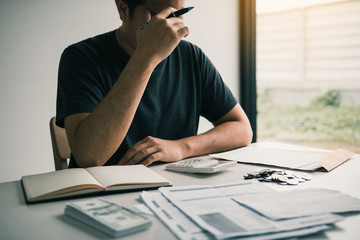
85,160
248,135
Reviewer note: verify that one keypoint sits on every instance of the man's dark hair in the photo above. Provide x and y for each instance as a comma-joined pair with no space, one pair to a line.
132,4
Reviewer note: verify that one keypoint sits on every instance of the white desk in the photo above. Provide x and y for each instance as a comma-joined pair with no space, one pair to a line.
19,220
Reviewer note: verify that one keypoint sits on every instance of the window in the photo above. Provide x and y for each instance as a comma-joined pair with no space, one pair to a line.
308,72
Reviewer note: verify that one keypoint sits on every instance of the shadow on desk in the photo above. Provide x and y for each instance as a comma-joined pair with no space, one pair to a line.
317,236
72,223
201,175
20,193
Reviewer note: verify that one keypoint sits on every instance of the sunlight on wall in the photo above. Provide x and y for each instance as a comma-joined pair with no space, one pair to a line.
266,6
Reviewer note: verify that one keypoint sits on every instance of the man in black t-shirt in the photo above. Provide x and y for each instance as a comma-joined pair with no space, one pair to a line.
135,95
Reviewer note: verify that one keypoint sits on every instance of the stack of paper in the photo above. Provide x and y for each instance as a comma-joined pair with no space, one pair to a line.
247,210
305,160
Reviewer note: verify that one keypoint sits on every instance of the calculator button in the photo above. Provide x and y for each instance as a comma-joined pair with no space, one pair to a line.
200,165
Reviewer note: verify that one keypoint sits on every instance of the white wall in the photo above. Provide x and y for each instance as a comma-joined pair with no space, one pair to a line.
32,36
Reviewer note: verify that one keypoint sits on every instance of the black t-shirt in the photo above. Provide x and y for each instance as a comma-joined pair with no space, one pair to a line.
183,87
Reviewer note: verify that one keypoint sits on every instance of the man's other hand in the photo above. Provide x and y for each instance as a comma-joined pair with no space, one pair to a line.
152,149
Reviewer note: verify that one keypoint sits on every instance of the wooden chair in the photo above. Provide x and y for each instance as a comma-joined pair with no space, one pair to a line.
60,145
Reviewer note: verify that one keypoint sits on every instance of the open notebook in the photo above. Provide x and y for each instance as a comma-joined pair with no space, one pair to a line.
80,181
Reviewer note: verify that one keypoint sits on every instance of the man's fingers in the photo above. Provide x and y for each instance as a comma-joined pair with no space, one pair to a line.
152,149
162,15
153,158
140,151
166,12
141,155
179,26
184,31
174,20
146,20
143,144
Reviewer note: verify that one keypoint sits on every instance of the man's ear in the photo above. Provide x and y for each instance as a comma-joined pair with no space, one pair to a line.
123,10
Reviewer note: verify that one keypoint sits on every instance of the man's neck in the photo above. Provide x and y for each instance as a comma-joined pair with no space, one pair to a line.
124,41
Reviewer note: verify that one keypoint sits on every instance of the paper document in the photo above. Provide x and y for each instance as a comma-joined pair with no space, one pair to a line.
301,160
274,157
213,209
298,203
184,228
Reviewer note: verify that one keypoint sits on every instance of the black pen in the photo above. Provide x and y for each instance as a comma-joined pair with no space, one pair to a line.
173,14
179,12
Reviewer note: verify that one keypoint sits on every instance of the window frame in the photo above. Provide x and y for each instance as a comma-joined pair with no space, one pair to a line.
247,61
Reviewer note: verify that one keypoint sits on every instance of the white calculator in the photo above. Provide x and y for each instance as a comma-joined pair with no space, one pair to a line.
204,164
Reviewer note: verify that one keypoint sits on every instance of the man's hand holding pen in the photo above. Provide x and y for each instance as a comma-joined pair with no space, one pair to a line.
160,35
178,14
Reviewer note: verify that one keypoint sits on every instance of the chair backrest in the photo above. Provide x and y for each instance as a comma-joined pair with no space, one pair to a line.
60,145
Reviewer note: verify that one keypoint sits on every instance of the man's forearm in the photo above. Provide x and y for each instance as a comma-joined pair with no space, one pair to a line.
231,131
98,135
226,136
